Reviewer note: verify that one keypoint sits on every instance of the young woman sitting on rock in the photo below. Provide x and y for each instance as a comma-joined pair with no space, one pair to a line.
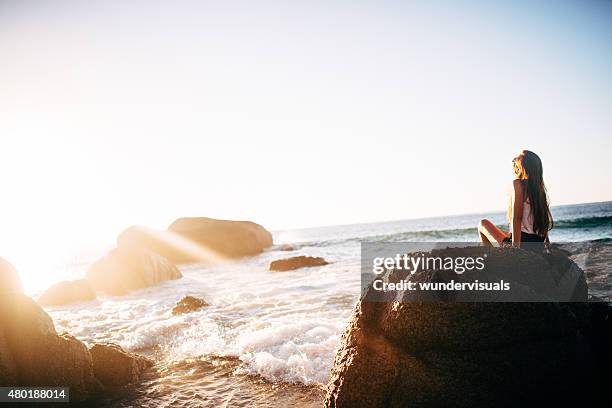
528,211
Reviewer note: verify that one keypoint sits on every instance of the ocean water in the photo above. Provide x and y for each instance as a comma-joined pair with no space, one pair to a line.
269,338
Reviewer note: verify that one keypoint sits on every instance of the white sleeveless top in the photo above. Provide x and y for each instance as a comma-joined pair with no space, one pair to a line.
527,221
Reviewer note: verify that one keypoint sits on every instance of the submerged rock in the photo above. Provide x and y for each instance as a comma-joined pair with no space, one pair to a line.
403,352
296,262
199,239
188,304
124,270
67,292
114,367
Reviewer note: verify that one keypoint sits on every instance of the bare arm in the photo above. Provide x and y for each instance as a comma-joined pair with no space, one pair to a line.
517,211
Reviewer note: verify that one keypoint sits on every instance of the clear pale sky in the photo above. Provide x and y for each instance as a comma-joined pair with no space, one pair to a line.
291,114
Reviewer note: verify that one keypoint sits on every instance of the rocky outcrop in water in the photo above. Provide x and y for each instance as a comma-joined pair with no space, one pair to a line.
114,367
199,239
67,292
36,355
403,352
33,354
145,257
124,270
289,264
188,304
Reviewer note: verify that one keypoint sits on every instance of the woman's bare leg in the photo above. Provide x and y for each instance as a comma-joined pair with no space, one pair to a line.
483,238
490,235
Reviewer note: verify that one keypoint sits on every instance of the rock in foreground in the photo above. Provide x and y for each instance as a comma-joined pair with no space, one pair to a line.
296,262
33,354
36,355
67,292
124,270
9,278
114,367
405,353
188,304
199,239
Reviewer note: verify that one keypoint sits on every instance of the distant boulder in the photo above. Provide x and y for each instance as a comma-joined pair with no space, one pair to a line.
115,367
199,240
9,278
296,262
67,292
124,270
286,247
188,304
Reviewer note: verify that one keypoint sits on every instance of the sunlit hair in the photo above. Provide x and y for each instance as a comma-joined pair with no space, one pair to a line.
528,169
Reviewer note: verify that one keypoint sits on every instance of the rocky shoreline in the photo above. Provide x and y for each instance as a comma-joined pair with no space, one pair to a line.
33,353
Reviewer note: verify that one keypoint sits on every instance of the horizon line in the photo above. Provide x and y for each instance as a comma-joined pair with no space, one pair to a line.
422,218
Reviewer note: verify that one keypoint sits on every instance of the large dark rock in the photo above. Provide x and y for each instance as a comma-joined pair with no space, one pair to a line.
114,367
9,278
37,355
10,285
33,354
188,304
8,368
199,239
124,270
406,351
296,262
67,292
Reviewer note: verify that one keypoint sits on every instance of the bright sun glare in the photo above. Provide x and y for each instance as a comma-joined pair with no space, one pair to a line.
344,118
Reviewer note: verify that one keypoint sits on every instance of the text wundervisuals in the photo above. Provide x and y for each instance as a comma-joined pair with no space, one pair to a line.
405,285
415,262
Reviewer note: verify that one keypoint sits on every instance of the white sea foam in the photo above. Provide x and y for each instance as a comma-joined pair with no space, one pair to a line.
281,326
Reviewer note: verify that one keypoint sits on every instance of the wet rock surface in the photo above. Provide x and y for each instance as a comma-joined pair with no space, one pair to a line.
289,264
113,366
188,304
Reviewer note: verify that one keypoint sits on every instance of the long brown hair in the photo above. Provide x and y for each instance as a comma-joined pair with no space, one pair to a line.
528,169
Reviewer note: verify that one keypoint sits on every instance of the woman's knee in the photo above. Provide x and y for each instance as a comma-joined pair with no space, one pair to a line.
484,224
